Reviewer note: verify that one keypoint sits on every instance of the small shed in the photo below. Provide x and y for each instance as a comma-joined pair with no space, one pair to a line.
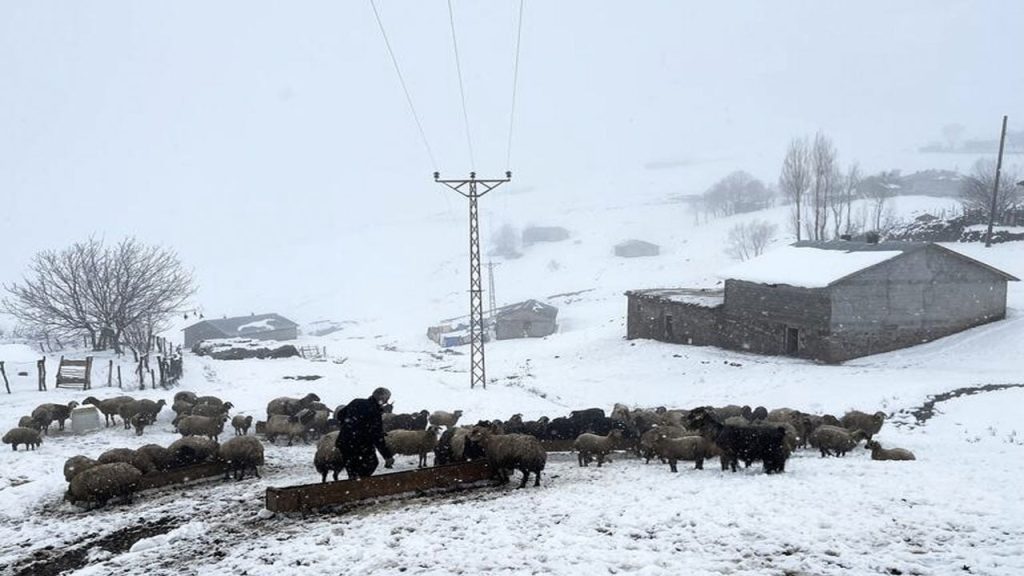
636,249
256,326
529,319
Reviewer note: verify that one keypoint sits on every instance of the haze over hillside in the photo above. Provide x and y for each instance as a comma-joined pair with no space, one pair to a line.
271,146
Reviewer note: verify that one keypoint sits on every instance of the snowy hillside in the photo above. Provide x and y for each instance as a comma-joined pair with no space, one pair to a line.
953,511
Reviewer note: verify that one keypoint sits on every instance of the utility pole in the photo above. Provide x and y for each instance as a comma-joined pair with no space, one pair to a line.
995,188
492,304
471,189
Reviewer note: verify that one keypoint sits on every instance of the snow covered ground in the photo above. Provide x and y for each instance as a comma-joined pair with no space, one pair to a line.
956,510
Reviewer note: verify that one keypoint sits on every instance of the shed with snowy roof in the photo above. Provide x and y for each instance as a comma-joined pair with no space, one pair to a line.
636,249
831,301
529,319
257,326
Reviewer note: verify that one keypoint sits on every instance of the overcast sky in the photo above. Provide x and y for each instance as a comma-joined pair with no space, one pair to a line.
195,124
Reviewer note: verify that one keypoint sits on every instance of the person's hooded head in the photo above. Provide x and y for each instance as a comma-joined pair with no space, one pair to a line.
381,395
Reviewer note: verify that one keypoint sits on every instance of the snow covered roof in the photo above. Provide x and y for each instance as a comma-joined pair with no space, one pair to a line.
821,264
704,297
243,325
539,308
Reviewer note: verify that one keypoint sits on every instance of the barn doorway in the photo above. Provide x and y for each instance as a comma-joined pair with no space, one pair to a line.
670,331
792,345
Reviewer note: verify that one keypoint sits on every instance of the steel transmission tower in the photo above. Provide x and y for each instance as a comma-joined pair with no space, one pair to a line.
471,189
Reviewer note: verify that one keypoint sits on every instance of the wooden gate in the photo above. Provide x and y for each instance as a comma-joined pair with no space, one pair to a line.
74,373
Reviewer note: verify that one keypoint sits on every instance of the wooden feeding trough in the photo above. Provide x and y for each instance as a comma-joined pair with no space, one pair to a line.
312,496
182,475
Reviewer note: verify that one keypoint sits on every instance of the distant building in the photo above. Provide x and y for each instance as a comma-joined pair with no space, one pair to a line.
257,326
636,249
529,319
828,301
532,234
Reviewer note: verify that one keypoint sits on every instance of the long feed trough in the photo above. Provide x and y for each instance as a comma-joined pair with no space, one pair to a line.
436,478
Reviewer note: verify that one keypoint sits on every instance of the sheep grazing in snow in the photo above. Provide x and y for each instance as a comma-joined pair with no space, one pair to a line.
76,464
446,419
28,422
870,424
536,428
417,421
690,448
104,482
834,440
191,450
413,443
127,456
241,424
511,452
111,407
27,436
202,426
747,443
139,422
150,409
287,406
185,396
589,446
209,401
327,457
650,437
53,412
293,427
455,446
159,456
182,408
879,453
212,411
242,453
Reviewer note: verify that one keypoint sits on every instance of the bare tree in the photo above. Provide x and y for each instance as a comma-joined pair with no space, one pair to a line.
736,193
824,177
878,189
749,239
841,203
976,190
98,291
795,178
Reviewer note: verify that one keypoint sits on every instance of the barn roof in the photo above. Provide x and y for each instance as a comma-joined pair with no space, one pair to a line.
244,325
821,264
636,243
539,308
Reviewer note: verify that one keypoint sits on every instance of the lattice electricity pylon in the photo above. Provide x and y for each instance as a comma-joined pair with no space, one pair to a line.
471,189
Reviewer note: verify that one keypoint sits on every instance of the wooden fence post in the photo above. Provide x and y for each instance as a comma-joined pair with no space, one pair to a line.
152,379
119,376
88,373
6,383
41,366
110,373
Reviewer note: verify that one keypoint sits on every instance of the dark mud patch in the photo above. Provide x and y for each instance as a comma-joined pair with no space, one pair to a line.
51,561
926,411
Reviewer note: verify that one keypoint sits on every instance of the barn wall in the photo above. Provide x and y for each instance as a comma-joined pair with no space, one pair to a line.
912,299
757,316
197,333
691,324
280,334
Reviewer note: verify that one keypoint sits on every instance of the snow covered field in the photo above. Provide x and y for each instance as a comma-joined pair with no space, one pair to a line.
958,509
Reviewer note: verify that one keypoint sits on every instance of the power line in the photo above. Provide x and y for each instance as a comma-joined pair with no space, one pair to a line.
515,82
462,90
401,80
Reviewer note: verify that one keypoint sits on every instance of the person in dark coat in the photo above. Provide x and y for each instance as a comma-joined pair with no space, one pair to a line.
361,434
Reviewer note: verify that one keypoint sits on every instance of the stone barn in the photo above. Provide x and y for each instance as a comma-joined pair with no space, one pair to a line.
636,249
529,319
534,234
257,326
829,301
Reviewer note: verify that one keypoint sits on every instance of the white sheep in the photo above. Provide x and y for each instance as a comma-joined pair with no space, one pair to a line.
507,452
834,440
591,445
242,453
446,419
879,453
691,448
241,424
327,457
211,427
103,482
291,426
413,443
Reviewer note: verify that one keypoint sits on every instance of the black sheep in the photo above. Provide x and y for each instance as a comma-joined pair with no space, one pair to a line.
747,443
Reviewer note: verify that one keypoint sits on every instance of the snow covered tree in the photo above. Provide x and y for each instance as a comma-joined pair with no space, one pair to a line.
749,239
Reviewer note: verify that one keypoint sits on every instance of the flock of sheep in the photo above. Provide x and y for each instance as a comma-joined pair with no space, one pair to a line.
732,433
